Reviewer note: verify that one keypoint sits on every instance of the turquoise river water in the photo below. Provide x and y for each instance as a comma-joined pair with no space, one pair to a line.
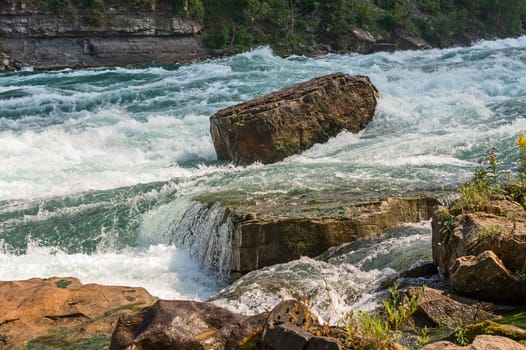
98,166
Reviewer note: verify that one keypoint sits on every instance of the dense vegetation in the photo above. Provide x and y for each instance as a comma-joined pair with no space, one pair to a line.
299,26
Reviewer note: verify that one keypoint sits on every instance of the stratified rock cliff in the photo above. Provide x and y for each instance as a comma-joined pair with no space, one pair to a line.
122,35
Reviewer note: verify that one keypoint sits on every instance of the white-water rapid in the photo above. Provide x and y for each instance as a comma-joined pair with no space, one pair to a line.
98,167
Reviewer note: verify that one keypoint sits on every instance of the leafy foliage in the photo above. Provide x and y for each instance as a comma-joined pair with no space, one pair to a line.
295,26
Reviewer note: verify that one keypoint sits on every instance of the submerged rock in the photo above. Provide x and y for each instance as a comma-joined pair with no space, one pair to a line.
483,251
288,121
62,312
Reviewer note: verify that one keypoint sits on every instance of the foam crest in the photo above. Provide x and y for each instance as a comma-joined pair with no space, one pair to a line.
341,280
165,271
109,150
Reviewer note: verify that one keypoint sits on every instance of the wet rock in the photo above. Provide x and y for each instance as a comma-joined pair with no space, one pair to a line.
63,312
276,238
289,121
483,250
423,270
186,325
435,308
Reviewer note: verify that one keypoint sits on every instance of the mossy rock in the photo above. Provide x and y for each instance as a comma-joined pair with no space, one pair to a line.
493,328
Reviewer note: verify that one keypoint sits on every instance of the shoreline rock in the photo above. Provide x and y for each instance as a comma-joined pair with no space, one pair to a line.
63,312
482,250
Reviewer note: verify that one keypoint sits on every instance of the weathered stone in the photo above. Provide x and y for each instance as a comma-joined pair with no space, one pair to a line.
410,41
323,343
361,41
291,311
435,308
420,271
443,345
485,276
482,251
285,336
186,325
492,328
482,342
125,36
492,342
272,239
289,121
63,312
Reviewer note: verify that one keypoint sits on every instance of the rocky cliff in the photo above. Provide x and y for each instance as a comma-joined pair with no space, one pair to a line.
122,35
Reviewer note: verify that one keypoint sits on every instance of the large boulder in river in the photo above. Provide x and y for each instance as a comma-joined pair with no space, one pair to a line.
483,249
63,313
289,121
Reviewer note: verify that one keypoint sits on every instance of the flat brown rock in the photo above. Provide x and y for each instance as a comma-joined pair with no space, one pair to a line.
62,310
275,126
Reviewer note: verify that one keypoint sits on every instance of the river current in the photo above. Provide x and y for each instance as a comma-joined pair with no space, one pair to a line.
98,167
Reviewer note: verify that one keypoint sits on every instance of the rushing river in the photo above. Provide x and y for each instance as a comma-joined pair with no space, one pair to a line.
98,166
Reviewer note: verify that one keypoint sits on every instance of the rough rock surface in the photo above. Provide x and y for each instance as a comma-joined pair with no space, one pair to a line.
63,312
486,277
270,229
289,121
126,35
482,342
7,64
492,328
196,325
484,251
435,308
186,325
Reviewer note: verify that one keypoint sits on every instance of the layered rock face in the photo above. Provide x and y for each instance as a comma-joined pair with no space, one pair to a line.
483,252
273,229
273,127
125,35
62,312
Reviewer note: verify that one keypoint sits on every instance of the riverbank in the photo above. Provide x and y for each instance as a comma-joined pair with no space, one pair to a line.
58,35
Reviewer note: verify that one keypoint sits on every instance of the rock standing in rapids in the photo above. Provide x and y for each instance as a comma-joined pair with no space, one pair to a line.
289,121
